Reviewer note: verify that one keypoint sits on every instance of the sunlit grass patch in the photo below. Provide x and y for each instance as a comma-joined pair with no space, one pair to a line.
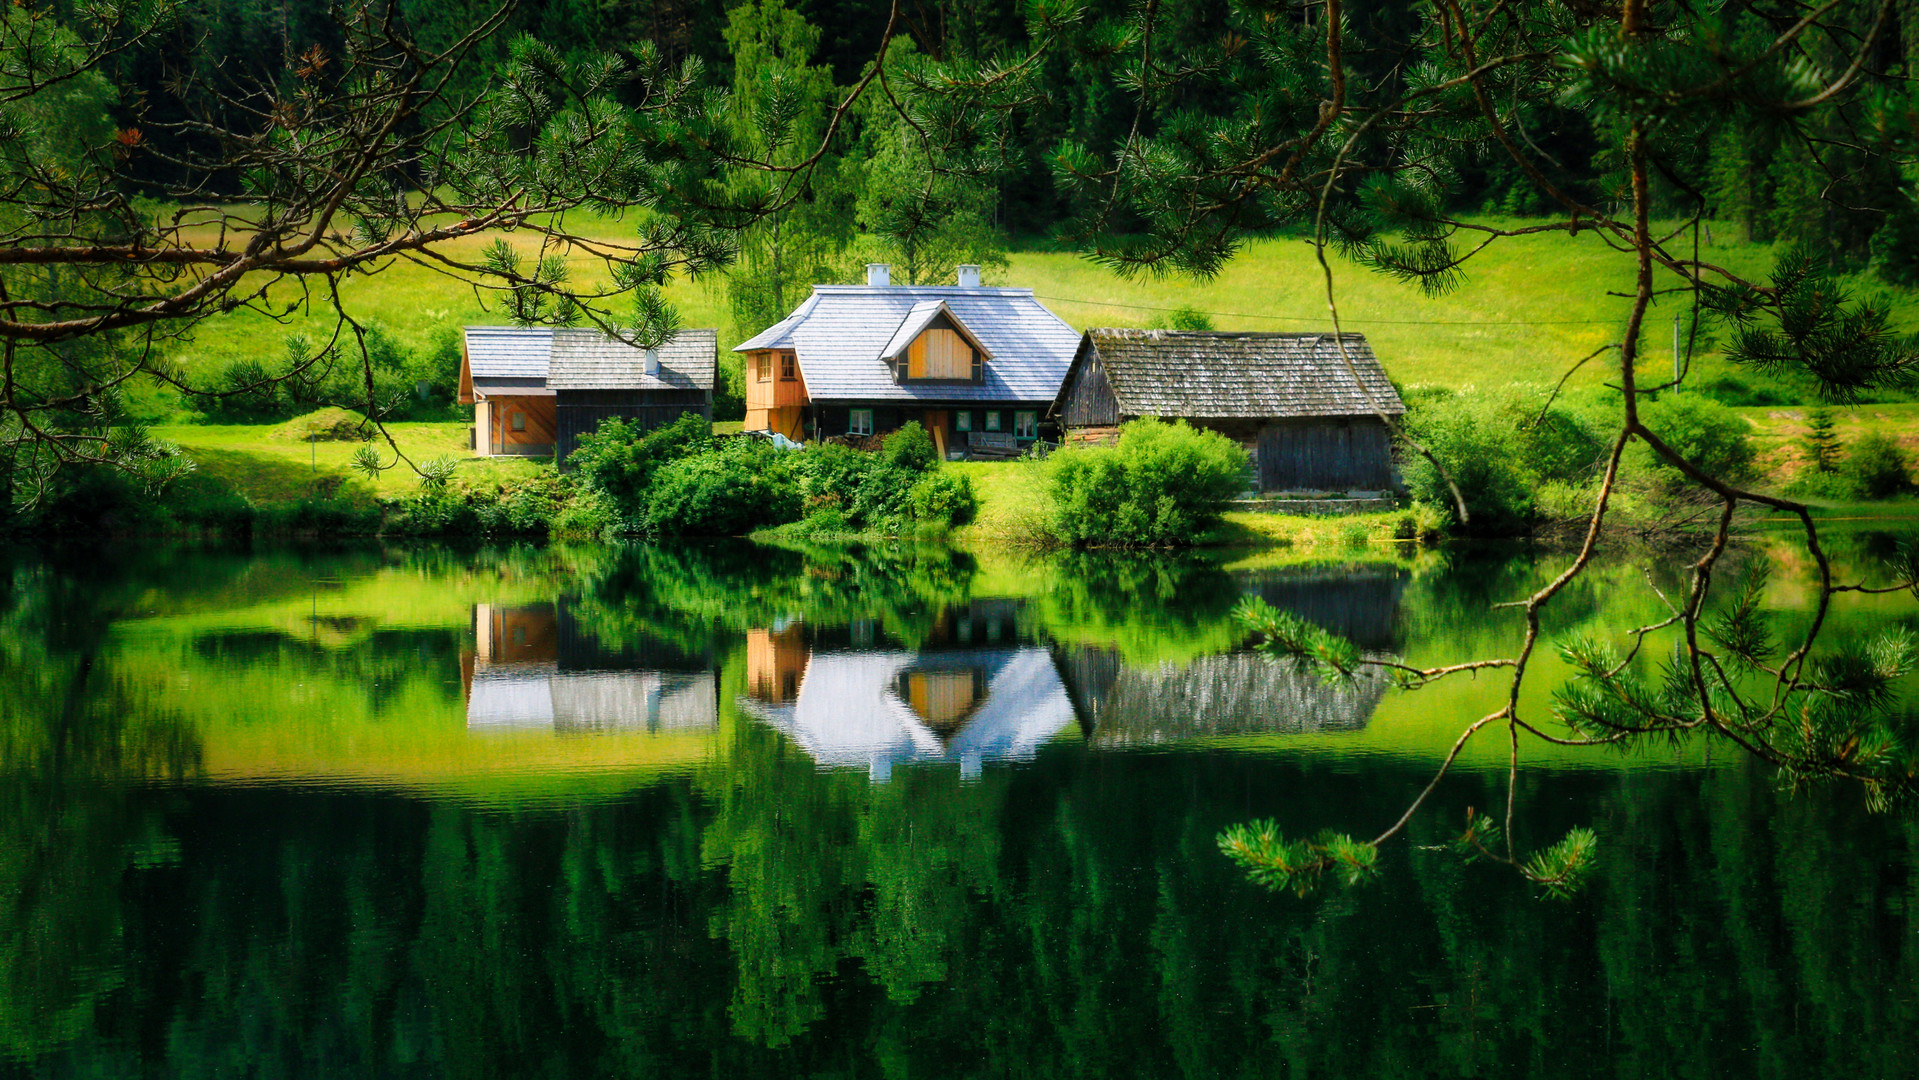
266,467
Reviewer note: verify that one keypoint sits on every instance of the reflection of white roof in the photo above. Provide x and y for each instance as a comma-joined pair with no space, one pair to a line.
848,713
542,696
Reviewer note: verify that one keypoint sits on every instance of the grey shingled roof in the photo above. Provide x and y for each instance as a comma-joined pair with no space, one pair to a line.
508,352
1209,373
586,359
841,331
589,360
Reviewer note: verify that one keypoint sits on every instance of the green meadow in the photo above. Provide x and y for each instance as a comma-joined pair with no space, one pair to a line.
1528,308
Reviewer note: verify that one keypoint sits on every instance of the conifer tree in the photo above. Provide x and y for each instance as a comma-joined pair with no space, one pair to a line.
1822,441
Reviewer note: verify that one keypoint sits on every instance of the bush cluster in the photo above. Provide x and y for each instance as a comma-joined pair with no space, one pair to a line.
1161,485
253,390
526,507
1500,449
897,488
1520,463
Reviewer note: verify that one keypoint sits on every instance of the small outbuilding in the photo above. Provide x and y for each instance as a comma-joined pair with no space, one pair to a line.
1307,407
537,390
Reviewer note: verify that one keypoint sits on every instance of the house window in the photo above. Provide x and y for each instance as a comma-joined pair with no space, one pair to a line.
963,420
1026,425
519,421
939,354
992,421
859,421
789,367
762,367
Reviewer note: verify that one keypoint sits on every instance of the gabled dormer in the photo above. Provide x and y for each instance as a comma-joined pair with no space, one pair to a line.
932,345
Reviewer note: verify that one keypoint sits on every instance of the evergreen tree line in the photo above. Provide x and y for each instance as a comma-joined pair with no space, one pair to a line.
886,187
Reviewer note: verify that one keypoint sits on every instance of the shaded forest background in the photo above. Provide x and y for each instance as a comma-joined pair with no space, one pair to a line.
1763,188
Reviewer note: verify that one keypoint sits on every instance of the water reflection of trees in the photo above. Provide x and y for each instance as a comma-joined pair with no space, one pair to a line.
74,736
1065,920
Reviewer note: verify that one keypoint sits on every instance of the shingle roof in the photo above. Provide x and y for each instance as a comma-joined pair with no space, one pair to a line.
1209,373
509,352
589,360
840,333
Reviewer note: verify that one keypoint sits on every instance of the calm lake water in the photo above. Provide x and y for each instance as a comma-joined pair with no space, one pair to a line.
883,812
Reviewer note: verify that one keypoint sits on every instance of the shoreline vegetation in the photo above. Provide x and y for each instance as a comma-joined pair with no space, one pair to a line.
1523,470
307,478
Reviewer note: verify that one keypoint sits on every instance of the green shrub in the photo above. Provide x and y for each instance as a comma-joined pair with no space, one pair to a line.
1500,451
741,486
875,492
617,462
910,448
1876,468
944,498
526,507
1709,435
1727,390
1162,484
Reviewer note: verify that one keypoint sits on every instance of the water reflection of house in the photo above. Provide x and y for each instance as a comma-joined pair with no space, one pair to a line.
876,708
534,667
1243,693
1239,693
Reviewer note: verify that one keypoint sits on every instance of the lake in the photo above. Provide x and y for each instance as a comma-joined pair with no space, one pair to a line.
882,811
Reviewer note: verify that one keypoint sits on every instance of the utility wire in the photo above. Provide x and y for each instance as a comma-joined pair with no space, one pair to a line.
1304,319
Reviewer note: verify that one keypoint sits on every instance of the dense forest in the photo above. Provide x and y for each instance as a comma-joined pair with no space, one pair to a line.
892,173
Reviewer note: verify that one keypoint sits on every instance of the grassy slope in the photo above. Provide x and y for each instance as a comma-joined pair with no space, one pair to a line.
1529,307
265,465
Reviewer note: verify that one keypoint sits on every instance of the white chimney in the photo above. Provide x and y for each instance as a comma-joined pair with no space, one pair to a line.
880,274
969,276
653,362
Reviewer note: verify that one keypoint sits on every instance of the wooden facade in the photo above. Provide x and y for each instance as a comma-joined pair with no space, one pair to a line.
1307,408
514,426
775,393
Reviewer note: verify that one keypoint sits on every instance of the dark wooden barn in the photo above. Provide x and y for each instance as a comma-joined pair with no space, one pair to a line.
1307,410
596,378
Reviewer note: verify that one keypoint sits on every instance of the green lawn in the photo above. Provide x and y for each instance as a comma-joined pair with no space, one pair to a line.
1529,307
266,464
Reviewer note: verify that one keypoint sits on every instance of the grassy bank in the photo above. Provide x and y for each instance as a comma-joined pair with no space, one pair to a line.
268,463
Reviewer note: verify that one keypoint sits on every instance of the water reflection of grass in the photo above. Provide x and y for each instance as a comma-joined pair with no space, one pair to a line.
345,667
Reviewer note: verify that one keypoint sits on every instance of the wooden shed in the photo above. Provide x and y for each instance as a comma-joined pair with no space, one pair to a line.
596,378
1306,409
536,390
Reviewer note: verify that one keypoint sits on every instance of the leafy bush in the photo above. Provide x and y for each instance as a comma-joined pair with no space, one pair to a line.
874,492
1162,484
742,486
943,498
1706,433
526,507
617,462
1500,451
1876,468
1727,390
910,448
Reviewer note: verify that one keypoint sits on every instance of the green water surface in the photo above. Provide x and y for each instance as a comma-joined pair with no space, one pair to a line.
734,810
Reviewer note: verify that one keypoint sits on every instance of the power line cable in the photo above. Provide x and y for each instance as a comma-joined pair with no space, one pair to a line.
1343,319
